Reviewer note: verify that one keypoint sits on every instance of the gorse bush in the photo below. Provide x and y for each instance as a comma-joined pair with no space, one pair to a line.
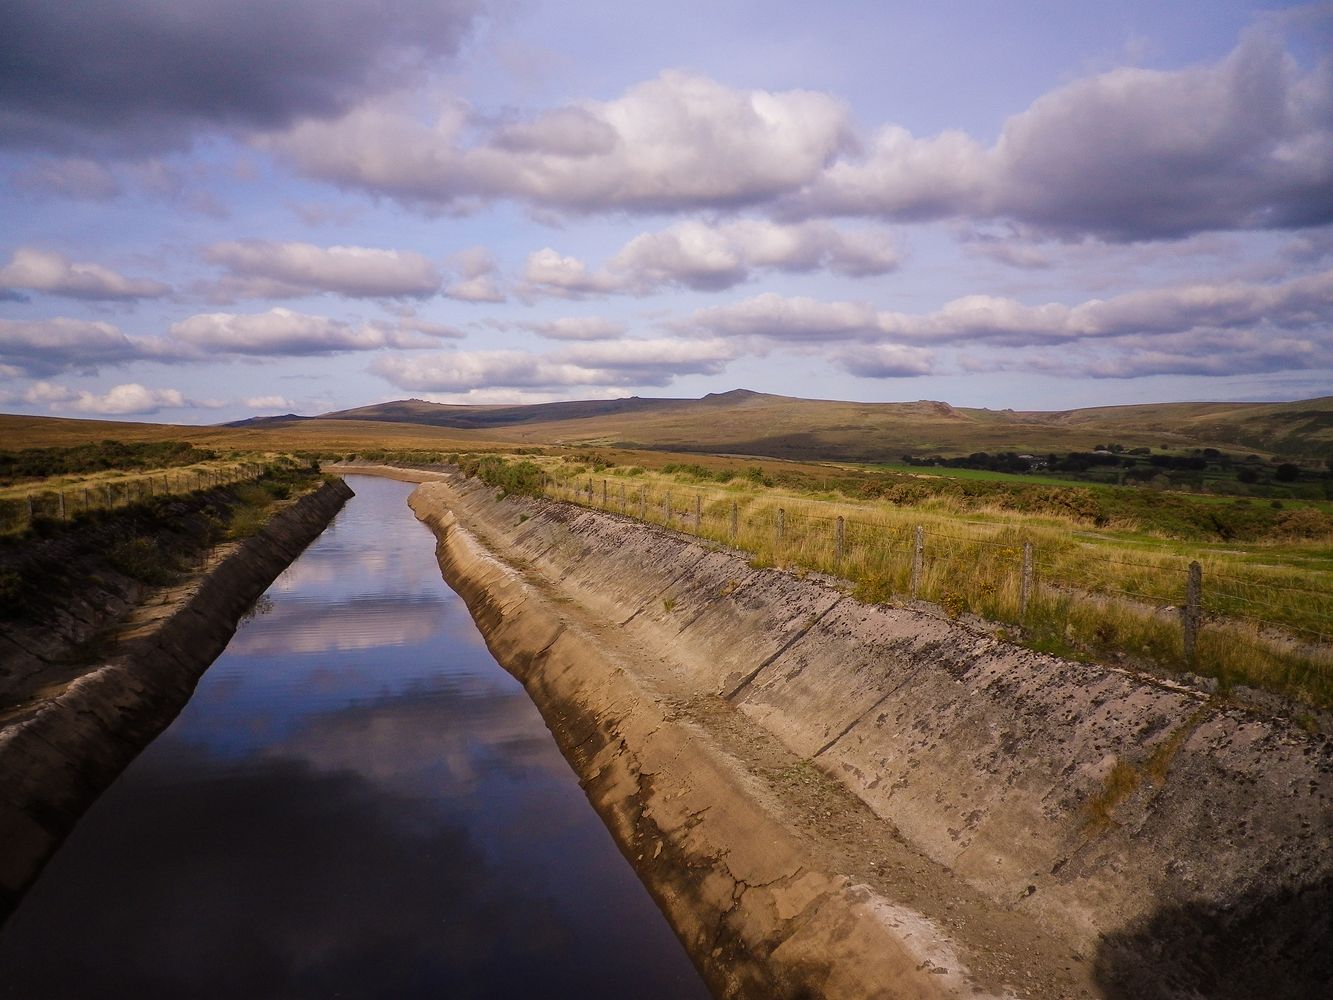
524,478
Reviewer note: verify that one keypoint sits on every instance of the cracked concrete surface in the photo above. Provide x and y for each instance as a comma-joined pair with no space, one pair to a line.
835,799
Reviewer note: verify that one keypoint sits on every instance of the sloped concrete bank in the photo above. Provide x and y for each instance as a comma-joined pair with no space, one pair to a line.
1001,822
58,753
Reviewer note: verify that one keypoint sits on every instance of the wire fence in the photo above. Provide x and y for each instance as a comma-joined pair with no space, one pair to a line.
21,510
1002,572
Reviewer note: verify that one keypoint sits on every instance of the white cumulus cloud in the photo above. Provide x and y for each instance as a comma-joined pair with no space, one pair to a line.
267,269
282,332
711,257
677,141
128,399
31,269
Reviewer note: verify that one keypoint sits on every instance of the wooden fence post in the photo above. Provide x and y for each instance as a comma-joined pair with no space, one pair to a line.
1191,615
643,504
623,505
603,494
62,505
735,520
782,524
918,559
698,511
1025,587
666,508
839,539
29,509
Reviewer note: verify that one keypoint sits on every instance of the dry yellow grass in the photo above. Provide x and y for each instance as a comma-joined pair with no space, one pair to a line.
1266,624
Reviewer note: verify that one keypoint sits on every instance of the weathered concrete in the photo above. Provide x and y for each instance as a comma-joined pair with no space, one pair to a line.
1206,873
59,752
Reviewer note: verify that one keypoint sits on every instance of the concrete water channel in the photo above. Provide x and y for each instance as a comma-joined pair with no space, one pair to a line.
357,801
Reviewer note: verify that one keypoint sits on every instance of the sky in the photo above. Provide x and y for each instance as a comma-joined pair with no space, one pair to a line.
214,209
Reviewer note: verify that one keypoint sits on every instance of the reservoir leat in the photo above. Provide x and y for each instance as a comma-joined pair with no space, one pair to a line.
358,801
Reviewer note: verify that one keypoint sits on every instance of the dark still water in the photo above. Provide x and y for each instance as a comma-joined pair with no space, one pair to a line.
358,801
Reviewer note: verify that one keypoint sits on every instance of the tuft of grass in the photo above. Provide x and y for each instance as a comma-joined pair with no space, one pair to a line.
1125,778
1118,785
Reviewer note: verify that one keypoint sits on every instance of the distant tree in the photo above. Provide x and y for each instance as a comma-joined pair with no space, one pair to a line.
1287,473
1247,476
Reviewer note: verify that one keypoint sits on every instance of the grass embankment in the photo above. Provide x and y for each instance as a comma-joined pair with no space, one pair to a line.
60,484
1109,574
155,541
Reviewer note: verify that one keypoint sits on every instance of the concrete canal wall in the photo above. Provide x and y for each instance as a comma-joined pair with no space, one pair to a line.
994,820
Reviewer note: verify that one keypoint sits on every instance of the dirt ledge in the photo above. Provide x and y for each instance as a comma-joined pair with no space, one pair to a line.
59,752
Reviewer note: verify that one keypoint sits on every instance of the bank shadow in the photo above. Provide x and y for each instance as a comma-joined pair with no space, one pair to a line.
1278,946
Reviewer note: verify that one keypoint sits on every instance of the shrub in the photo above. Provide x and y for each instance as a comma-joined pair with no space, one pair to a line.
524,478
141,559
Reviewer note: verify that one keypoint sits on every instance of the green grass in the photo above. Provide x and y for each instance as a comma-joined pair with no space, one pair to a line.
984,475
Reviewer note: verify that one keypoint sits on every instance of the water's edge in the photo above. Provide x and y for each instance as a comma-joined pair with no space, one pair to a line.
56,762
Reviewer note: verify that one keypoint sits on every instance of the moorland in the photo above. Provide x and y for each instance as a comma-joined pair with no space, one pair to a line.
1071,531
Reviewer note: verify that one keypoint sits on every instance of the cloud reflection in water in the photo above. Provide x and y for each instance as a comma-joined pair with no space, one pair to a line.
333,816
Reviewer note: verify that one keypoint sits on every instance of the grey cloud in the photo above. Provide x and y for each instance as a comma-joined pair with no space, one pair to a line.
652,358
266,269
578,328
1201,353
883,361
477,276
282,332
48,346
603,364
566,132
1009,247
1294,305
798,319
466,370
1246,143
69,177
36,270
1138,364
134,76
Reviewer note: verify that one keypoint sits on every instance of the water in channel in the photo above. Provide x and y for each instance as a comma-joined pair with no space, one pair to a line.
358,801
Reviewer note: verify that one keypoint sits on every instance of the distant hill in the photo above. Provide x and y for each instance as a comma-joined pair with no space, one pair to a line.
742,422
755,423
418,411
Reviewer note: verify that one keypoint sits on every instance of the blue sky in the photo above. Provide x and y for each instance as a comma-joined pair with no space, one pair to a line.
213,210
